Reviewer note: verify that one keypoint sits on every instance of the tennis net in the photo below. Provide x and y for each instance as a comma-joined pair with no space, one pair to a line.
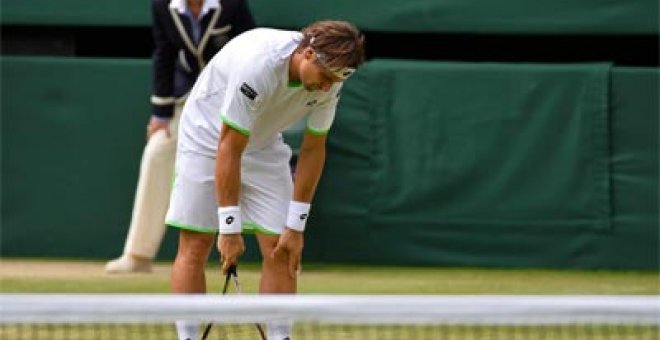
82,316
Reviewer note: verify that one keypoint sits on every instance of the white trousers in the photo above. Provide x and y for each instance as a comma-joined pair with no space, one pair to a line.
153,192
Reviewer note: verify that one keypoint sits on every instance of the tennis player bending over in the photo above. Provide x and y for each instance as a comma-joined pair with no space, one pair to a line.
232,167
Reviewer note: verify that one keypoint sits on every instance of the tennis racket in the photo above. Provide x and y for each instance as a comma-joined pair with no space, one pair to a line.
232,275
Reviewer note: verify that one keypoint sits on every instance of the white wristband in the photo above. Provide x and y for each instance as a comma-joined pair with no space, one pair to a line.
298,213
229,220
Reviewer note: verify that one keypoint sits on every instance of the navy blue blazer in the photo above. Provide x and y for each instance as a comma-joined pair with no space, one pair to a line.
177,59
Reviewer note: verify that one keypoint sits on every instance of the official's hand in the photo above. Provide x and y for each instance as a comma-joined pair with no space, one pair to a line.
290,244
230,246
156,124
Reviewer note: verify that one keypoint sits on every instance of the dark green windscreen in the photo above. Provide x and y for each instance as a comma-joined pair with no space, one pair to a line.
465,16
428,163
493,164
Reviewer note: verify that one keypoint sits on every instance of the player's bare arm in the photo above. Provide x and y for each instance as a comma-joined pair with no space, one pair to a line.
308,172
309,166
227,182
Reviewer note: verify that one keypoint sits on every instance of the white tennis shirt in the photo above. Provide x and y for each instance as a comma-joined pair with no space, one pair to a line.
246,85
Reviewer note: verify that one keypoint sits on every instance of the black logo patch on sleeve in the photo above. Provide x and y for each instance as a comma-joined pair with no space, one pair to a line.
248,91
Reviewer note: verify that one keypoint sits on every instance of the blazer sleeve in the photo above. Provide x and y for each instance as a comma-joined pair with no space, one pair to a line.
164,59
243,20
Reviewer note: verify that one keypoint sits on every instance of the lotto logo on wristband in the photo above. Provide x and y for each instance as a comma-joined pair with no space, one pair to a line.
297,216
229,220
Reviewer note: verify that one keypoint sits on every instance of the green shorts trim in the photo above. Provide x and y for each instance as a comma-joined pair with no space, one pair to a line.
248,228
191,227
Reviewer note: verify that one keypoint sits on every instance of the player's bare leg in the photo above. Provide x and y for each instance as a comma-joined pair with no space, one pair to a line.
188,269
275,279
188,272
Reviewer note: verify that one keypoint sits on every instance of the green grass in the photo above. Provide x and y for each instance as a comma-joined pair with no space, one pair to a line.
307,331
89,277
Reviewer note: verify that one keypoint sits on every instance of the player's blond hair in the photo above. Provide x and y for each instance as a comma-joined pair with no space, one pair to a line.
340,42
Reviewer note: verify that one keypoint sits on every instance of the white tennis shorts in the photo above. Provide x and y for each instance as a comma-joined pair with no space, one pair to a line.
265,192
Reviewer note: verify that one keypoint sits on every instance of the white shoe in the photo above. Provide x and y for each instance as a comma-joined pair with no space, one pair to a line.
128,264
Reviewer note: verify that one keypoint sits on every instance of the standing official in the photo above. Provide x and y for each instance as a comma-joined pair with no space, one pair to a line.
187,34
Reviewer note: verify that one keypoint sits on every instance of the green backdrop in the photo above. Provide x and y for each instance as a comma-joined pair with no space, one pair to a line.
494,164
464,16
429,163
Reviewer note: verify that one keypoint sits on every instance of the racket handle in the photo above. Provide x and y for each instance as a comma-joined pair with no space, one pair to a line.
232,270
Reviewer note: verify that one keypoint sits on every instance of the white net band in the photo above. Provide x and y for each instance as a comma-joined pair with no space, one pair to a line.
352,309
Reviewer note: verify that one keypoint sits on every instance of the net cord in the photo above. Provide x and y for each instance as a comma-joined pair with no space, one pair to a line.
345,309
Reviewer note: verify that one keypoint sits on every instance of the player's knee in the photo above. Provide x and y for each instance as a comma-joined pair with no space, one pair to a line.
277,262
194,247
267,244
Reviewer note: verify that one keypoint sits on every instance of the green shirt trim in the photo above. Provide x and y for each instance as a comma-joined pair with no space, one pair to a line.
294,84
317,132
235,126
